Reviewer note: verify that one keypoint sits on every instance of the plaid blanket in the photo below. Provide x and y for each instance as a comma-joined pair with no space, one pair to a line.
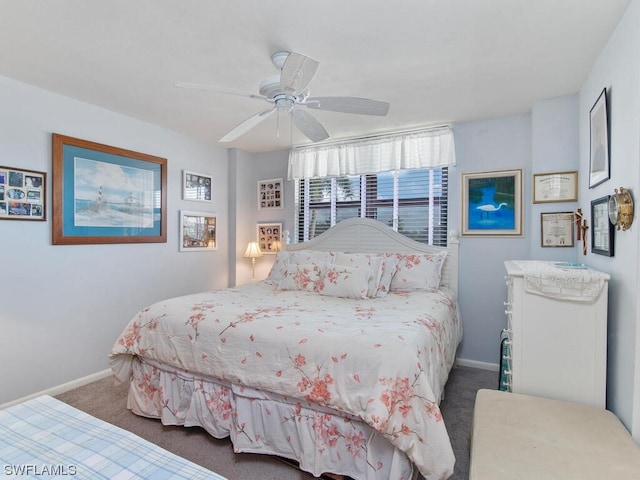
46,438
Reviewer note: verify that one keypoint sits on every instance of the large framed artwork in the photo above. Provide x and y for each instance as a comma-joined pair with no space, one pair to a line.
22,194
197,231
105,194
492,203
599,166
602,230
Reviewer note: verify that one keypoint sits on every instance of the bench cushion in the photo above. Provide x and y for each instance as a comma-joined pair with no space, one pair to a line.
527,437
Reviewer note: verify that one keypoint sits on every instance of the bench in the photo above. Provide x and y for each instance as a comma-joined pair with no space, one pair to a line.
524,437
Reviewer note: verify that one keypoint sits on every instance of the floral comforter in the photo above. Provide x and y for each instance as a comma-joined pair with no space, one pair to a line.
383,360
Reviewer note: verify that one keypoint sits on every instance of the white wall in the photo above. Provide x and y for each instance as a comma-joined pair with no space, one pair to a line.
62,307
251,169
497,144
618,69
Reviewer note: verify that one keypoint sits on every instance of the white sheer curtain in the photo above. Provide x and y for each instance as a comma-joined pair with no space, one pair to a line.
419,149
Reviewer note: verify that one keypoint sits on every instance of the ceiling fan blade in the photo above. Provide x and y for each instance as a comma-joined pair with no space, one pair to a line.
297,72
247,125
211,88
309,125
361,106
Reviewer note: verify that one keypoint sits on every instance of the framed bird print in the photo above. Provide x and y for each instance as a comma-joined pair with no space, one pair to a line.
492,203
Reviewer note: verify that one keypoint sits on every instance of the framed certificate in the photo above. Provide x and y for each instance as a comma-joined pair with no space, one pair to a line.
555,187
556,229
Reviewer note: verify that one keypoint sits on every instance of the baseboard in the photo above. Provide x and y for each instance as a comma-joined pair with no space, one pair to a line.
463,362
57,390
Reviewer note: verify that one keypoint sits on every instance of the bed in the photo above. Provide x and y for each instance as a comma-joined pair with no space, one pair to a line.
337,360
46,438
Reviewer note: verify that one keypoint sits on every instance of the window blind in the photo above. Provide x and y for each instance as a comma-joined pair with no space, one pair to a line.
412,202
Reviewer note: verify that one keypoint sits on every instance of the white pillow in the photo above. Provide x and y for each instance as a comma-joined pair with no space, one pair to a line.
369,262
305,278
418,272
344,281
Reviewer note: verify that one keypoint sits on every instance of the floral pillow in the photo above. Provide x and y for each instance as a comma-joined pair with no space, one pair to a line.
367,262
305,278
278,268
303,257
344,281
418,272
389,266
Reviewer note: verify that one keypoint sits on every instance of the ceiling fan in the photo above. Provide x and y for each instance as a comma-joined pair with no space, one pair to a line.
288,92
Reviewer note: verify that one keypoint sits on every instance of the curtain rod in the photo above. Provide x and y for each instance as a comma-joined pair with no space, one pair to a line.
372,137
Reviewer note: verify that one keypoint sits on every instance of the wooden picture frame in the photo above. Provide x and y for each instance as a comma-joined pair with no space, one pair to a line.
197,187
23,194
555,187
271,194
492,203
104,194
602,230
197,231
599,164
556,229
269,236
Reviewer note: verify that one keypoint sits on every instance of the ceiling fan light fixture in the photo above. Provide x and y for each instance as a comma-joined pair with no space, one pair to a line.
279,58
284,104
270,87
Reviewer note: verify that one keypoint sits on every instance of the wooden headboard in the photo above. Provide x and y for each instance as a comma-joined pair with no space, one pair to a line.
363,235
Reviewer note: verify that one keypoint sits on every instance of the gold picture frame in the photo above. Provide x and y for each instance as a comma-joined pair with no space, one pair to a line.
555,187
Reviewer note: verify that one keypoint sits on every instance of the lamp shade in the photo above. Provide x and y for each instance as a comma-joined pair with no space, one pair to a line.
253,250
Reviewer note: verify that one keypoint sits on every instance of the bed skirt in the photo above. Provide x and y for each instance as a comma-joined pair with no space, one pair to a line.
320,439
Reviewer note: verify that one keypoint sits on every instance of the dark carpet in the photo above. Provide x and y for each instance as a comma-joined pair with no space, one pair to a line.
108,402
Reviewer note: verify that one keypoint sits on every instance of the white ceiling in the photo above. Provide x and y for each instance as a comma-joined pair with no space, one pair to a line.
434,61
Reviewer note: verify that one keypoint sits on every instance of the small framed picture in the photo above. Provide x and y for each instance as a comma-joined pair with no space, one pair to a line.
599,166
602,230
492,203
197,231
556,229
196,186
22,194
270,237
555,187
270,194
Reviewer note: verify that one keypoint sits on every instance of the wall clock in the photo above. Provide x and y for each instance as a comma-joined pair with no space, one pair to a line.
621,209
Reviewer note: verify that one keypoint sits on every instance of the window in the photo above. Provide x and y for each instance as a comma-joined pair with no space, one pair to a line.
412,202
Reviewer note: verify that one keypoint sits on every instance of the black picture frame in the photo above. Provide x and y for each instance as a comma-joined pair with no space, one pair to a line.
599,160
602,230
23,194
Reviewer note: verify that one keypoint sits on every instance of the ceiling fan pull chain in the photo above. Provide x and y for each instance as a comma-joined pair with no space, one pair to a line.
278,123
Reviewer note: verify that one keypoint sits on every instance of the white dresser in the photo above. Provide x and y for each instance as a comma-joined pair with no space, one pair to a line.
556,337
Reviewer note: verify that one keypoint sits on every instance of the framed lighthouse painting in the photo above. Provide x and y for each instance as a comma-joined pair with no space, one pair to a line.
105,194
492,203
